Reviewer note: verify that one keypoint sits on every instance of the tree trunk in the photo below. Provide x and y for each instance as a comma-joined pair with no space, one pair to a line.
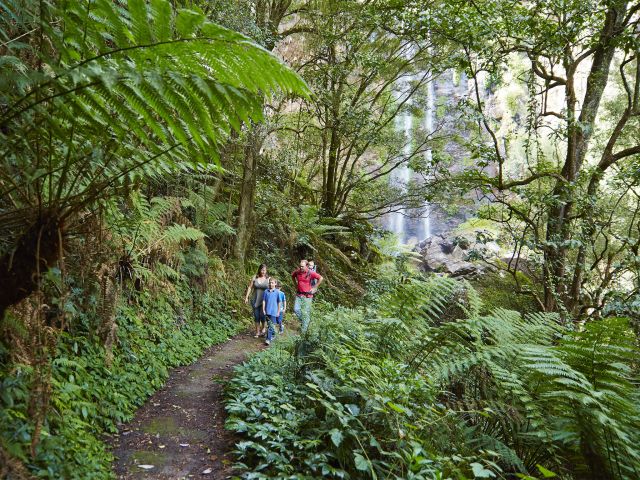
245,219
268,17
21,270
329,196
579,133
329,200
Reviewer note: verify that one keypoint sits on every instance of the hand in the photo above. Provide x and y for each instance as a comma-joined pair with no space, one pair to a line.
246,300
314,290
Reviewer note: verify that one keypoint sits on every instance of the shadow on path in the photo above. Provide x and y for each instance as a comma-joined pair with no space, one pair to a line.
179,432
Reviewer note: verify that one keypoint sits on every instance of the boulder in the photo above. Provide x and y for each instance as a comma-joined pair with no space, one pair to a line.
450,254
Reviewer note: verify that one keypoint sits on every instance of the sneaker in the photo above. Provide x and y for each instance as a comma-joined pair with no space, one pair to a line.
267,342
282,329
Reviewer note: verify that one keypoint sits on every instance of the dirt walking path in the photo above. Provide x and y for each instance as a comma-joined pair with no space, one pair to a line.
179,432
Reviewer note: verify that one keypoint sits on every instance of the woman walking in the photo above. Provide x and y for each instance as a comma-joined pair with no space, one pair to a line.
259,283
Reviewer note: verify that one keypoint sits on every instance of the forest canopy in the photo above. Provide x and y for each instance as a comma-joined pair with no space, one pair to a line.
484,154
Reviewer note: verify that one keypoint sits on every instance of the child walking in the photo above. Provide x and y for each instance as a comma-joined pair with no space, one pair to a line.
283,307
271,308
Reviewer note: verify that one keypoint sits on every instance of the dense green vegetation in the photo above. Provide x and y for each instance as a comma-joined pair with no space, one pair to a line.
92,386
153,153
422,385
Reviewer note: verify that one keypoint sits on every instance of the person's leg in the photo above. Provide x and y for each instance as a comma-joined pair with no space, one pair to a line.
264,324
281,322
271,330
256,319
305,312
296,308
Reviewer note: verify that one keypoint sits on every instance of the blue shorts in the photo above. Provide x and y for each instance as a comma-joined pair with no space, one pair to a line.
258,316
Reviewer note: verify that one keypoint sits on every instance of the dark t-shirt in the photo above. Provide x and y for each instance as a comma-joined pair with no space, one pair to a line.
303,280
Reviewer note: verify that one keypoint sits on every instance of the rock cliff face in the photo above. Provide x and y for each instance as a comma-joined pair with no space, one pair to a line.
456,255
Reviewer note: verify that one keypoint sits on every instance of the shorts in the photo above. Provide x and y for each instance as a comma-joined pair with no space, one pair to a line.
258,316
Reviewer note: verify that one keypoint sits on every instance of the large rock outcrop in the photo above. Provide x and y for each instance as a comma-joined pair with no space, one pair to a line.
457,255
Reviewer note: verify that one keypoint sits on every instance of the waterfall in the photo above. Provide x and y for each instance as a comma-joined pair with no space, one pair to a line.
398,222
401,176
429,115
415,224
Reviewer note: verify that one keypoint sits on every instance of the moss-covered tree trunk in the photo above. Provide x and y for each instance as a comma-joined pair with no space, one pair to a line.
246,204
580,129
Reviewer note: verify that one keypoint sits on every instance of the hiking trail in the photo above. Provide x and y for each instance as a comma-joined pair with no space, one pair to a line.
179,431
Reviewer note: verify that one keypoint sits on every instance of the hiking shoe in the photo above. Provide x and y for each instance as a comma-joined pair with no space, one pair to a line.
281,329
267,342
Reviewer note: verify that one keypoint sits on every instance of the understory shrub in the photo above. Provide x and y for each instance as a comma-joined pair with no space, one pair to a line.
92,389
426,386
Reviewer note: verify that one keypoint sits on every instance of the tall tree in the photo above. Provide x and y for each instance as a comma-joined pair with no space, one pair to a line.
570,49
364,64
262,20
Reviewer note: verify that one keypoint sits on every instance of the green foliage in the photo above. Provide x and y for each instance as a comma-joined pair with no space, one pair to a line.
119,93
569,209
285,233
499,290
309,230
91,395
428,386
210,215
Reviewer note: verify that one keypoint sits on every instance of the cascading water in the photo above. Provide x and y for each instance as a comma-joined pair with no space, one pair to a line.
399,222
411,225
402,175
428,126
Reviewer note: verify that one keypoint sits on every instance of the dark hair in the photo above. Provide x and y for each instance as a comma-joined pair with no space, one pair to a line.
260,268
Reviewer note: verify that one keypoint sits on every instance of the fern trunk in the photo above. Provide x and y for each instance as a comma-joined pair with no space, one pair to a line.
21,270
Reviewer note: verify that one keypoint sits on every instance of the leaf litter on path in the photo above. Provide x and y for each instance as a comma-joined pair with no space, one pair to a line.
185,419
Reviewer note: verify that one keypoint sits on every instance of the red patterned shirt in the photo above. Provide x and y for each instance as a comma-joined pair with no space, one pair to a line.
304,282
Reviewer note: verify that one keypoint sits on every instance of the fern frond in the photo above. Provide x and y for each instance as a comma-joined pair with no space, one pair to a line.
133,90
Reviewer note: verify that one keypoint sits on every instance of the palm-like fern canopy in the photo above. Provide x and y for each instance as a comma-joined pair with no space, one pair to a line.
95,94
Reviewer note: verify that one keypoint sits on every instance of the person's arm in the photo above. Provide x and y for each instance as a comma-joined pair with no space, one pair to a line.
284,309
320,278
246,297
294,276
279,303
264,302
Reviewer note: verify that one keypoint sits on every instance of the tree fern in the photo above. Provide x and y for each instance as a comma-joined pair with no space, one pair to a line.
604,423
98,94
523,385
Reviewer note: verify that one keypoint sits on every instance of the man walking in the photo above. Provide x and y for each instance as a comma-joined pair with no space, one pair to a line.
302,278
